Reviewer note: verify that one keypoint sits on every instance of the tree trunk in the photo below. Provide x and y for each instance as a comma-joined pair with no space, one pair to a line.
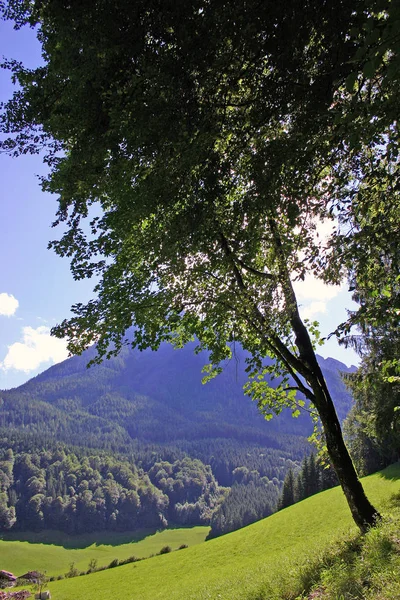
364,513
306,365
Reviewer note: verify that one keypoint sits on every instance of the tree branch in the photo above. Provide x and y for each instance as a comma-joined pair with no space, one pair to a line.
252,269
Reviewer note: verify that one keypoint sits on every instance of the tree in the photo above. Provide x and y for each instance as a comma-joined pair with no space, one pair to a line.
41,581
288,492
213,136
372,427
367,131
312,478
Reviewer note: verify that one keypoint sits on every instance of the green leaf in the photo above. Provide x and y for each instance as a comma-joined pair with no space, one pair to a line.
351,81
369,69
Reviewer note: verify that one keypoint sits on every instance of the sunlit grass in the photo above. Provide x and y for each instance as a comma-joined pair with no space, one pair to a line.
271,559
260,562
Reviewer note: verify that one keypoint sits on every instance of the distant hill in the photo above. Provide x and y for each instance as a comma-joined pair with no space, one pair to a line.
151,397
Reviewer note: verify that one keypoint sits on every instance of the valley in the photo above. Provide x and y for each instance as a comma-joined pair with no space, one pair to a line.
272,559
139,441
225,185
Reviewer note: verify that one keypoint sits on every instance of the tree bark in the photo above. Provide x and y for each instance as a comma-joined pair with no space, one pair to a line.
364,513
303,365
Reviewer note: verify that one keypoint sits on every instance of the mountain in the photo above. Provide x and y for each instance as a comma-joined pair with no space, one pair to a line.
144,424
151,397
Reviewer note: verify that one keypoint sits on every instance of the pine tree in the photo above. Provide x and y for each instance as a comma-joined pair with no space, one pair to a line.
288,491
314,485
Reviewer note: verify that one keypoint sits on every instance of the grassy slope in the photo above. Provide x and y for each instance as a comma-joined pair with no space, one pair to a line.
249,564
54,558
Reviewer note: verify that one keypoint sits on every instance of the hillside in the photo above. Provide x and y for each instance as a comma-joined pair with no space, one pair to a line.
153,397
265,561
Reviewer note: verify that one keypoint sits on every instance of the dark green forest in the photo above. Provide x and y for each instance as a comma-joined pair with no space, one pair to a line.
313,476
63,490
80,491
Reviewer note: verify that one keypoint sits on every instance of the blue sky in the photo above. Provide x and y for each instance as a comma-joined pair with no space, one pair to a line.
36,287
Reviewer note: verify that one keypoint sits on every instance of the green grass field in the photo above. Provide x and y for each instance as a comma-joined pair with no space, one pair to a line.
259,562
53,552
255,563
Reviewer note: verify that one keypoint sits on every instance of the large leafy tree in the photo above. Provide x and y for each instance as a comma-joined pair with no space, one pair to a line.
215,136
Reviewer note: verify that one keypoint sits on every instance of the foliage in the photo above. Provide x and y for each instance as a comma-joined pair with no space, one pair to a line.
209,155
249,501
40,581
92,565
287,497
367,130
73,571
77,492
56,490
191,488
372,427
214,148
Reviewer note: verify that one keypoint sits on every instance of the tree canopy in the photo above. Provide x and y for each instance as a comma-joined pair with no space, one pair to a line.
215,137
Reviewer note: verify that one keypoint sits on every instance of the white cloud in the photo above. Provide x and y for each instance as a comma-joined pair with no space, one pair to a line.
8,304
315,289
313,295
313,309
36,347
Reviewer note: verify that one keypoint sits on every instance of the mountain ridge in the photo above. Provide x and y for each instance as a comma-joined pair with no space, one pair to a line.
154,397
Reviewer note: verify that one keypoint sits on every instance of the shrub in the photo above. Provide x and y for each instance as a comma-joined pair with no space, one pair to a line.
165,550
182,546
73,571
130,559
113,563
92,566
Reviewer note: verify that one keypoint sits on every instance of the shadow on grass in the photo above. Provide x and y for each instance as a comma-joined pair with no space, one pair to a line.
75,542
392,472
84,540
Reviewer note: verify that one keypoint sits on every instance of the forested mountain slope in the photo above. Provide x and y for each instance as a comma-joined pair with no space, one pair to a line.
154,397
147,413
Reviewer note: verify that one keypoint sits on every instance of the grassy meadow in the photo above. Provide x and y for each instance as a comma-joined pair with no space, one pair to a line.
264,561
53,552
